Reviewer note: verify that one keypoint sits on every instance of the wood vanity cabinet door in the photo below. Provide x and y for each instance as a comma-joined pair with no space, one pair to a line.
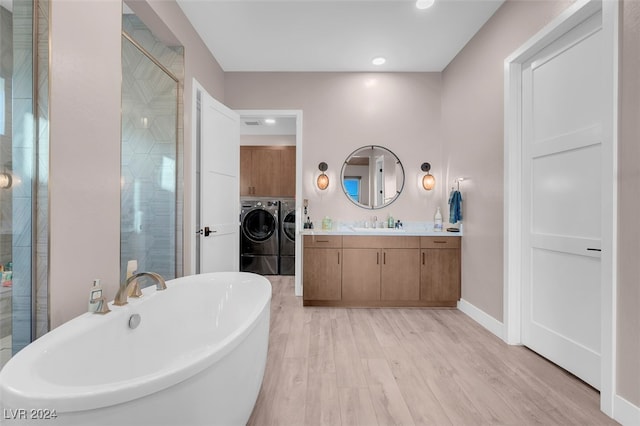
400,274
361,274
322,276
440,275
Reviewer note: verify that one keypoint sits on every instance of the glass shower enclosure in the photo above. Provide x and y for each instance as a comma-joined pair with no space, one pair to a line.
24,140
149,222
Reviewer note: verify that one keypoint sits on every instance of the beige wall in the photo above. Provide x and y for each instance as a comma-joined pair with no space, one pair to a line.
473,127
344,111
85,139
629,205
84,177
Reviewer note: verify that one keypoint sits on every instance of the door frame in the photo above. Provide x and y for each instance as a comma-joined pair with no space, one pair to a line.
513,179
191,207
191,189
297,114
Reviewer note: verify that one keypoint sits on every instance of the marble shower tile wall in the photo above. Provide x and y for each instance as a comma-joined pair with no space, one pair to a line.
151,220
6,205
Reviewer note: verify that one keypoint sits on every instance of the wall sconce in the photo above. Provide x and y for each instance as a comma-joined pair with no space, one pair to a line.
6,180
323,180
428,181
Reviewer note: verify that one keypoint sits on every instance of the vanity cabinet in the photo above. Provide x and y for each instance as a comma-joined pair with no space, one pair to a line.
400,274
381,271
440,270
267,171
361,274
381,274
322,272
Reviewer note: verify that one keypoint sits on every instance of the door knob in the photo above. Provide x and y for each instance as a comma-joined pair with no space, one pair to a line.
206,231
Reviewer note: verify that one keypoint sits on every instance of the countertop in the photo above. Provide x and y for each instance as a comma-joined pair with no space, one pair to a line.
419,230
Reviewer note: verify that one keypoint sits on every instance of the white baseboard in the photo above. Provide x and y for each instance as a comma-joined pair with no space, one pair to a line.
482,318
625,412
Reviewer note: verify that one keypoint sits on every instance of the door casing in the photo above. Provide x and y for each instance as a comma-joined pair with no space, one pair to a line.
297,114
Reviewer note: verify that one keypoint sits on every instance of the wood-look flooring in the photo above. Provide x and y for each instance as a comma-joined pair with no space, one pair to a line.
391,366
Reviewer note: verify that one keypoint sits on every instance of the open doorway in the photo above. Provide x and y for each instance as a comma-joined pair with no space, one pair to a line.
270,179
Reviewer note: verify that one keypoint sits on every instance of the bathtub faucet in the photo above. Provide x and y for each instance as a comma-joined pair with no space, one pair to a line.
130,287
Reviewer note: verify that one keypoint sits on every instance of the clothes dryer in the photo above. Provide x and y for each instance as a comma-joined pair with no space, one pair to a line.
259,236
288,236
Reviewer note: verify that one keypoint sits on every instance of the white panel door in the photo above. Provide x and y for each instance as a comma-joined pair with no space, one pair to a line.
219,186
562,139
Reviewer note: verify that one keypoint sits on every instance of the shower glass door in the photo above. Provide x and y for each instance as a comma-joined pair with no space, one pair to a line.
23,174
148,220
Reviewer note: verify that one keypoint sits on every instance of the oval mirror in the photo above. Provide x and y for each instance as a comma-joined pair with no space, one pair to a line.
372,177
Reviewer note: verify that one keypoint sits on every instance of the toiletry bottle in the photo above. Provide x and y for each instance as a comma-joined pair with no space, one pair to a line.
390,222
95,295
326,223
437,221
7,274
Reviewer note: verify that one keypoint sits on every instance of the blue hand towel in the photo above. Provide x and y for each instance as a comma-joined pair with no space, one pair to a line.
455,207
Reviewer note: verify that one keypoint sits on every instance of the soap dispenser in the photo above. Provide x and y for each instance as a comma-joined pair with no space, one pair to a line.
390,222
437,221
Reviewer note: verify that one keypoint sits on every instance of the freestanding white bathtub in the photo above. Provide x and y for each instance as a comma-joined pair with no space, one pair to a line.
197,358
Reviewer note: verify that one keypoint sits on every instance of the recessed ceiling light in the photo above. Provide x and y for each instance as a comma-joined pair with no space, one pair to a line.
269,121
424,4
378,60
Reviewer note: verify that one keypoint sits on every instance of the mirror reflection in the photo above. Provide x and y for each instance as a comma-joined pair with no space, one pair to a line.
372,177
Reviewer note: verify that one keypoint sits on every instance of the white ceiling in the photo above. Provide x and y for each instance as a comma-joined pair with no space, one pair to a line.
338,35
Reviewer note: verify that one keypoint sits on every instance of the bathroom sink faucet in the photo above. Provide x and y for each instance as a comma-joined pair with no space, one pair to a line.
130,287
